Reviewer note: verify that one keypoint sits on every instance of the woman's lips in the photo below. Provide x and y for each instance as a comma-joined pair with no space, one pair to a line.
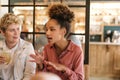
49,38
15,37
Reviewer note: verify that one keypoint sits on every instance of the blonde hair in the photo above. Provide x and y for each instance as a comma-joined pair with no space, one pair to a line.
8,19
45,76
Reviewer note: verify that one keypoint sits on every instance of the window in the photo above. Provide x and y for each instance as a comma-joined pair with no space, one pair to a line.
33,13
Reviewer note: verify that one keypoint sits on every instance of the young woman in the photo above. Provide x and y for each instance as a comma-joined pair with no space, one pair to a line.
18,67
60,56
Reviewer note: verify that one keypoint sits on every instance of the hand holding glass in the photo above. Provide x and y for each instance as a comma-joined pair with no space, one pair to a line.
5,57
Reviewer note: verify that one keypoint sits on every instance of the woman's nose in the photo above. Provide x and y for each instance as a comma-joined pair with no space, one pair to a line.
48,32
16,32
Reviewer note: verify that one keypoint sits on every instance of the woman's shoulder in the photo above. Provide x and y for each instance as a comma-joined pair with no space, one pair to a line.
75,39
73,46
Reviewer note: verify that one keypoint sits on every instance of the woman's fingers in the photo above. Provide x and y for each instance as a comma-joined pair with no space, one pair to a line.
51,64
32,61
39,54
37,58
36,52
2,60
33,56
56,66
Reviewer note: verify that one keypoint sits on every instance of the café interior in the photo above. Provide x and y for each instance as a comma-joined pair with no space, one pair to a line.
96,25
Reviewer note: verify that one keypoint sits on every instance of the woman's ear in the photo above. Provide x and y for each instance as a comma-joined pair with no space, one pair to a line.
63,31
2,32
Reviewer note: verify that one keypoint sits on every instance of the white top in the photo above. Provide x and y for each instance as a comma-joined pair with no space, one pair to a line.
19,67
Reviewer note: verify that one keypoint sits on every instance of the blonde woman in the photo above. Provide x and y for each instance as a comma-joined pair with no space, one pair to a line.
19,67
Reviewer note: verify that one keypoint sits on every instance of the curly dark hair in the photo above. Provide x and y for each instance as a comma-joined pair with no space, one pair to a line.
62,14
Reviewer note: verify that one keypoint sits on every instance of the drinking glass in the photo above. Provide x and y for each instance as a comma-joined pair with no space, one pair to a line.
6,55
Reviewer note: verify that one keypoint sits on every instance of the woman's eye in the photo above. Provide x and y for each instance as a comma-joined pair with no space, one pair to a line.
44,29
18,29
52,29
11,30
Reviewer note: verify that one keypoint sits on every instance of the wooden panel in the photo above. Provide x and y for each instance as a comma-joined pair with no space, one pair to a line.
117,58
104,60
86,70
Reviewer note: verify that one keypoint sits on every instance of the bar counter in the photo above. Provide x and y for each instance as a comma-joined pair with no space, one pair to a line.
104,59
104,43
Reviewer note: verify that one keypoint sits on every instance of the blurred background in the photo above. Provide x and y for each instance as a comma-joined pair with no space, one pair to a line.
104,30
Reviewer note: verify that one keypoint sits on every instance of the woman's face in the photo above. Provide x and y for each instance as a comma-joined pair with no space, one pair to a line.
53,31
12,33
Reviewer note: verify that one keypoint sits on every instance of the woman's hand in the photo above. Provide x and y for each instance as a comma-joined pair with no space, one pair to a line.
2,60
56,66
38,58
